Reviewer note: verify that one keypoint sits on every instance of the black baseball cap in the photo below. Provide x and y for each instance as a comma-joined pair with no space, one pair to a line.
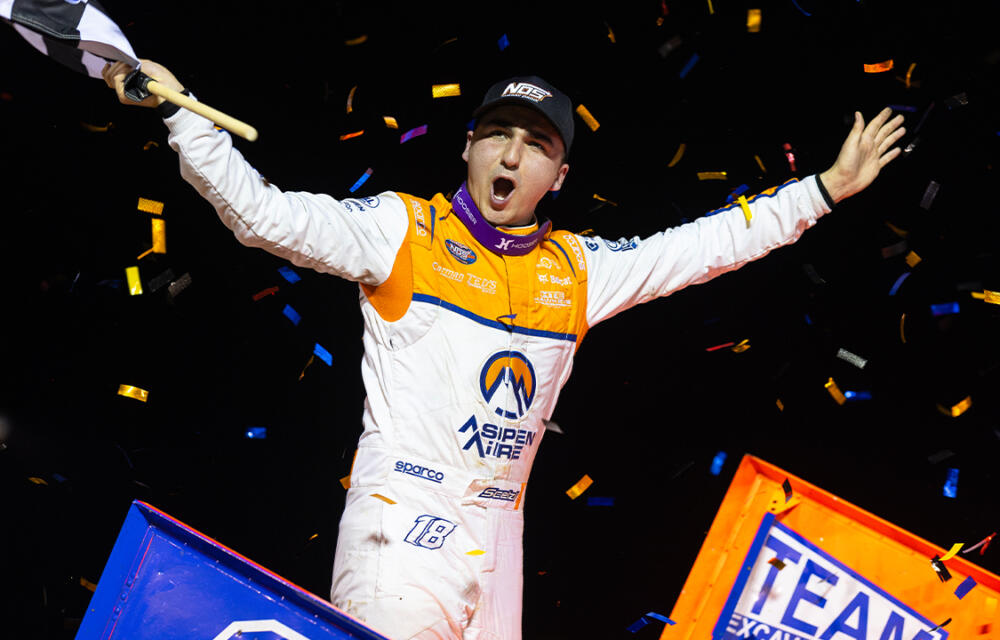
537,94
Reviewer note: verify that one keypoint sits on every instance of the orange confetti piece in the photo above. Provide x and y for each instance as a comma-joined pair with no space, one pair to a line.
611,34
578,488
446,90
835,391
587,117
957,409
353,42
909,73
390,122
383,498
753,20
38,481
597,197
346,482
348,136
150,206
760,163
712,175
780,404
135,393
902,333
678,154
912,259
159,235
152,144
144,254
87,584
879,67
741,347
902,233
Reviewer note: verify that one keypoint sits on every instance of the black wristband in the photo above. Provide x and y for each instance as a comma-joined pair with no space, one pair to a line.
824,192
167,109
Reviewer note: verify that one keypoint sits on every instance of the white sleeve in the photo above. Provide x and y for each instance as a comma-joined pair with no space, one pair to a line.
625,273
355,238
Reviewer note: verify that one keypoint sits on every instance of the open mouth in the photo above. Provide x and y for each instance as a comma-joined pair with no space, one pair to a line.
501,189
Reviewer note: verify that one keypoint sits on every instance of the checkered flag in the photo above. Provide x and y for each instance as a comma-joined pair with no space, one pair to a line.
76,33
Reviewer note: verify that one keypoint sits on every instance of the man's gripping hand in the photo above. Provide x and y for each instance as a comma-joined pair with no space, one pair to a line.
114,76
865,151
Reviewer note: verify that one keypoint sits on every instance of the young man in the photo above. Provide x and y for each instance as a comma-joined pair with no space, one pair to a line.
473,311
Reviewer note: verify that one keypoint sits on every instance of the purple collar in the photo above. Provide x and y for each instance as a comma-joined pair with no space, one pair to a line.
489,236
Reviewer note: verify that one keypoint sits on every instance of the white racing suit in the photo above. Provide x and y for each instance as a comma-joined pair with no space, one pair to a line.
465,353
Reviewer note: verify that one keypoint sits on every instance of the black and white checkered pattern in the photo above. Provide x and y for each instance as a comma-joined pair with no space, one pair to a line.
77,33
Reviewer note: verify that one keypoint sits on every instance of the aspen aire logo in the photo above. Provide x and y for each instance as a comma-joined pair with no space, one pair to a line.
812,596
526,90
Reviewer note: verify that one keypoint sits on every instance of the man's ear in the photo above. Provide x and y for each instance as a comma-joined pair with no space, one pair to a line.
560,176
468,143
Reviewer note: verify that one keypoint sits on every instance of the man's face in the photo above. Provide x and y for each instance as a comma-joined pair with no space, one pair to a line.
515,157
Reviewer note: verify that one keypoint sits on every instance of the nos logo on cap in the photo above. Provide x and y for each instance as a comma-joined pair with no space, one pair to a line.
526,90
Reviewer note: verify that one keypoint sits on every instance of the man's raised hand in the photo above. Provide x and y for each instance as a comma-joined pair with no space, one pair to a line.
865,151
114,76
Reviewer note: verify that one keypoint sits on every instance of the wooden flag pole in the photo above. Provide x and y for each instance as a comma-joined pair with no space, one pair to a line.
227,122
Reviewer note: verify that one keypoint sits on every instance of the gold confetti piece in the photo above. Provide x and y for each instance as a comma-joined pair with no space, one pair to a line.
134,284
350,99
746,209
913,259
150,206
586,232
991,297
312,537
87,584
144,254
597,197
383,498
38,481
902,333
135,393
390,122
711,9
741,347
781,405
353,42
152,144
348,136
958,409
899,232
760,163
879,67
578,488
346,482
611,34
678,154
475,552
978,295
309,362
909,73
955,548
753,20
835,392
159,235
93,128
712,175
587,117
446,90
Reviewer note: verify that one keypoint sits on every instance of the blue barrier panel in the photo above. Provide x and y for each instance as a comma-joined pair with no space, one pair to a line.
165,580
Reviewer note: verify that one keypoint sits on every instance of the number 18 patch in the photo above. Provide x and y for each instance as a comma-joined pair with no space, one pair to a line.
429,532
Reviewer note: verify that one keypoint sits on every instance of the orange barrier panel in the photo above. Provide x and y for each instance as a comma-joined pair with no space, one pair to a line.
807,565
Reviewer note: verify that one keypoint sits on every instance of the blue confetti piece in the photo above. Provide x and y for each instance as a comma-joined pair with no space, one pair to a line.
809,320
470,125
858,395
693,60
644,620
292,314
951,484
944,309
598,501
503,42
60,479
256,433
367,174
289,274
413,133
804,12
899,283
323,355
717,462
965,587
661,618
903,107
738,191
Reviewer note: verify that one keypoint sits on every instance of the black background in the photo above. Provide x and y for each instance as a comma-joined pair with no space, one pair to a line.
648,407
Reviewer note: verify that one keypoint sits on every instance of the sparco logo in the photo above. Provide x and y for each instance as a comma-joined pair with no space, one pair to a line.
526,90
418,471
462,253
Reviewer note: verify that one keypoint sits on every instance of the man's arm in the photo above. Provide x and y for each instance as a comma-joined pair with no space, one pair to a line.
355,239
628,272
